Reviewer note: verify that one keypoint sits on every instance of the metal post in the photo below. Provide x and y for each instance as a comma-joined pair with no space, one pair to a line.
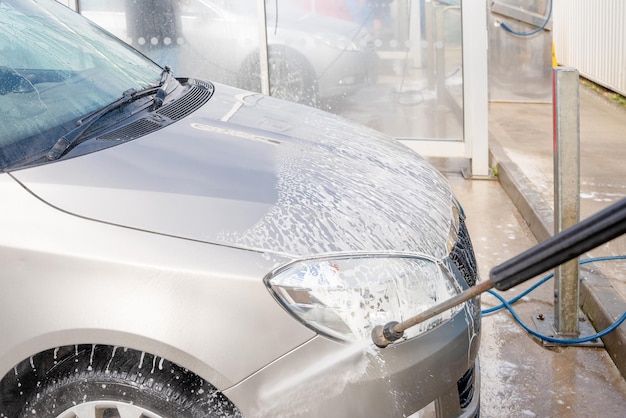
263,48
476,86
440,59
430,44
566,117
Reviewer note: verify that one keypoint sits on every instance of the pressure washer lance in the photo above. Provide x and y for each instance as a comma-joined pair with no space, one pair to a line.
568,244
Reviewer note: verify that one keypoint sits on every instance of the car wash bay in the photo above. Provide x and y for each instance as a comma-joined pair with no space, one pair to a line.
520,376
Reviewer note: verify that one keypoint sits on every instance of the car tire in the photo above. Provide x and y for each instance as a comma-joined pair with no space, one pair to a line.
110,382
291,75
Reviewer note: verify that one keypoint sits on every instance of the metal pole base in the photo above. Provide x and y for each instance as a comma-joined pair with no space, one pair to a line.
467,175
544,324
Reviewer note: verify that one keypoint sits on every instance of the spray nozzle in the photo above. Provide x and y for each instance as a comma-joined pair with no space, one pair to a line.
383,335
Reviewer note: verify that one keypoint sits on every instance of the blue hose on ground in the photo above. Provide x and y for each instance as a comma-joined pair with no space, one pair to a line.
507,304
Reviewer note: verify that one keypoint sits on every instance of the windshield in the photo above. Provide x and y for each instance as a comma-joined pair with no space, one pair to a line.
55,68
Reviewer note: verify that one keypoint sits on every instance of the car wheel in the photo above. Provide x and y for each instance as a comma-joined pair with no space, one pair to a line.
291,75
109,382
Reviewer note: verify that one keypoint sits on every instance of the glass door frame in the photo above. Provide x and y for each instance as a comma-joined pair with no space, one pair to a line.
475,143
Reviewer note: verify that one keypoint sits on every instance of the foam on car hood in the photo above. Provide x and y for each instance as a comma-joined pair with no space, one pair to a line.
258,173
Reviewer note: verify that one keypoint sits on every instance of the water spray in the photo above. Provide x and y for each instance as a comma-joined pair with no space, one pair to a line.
596,230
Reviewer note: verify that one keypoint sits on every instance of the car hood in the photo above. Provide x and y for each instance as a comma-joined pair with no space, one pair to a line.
250,171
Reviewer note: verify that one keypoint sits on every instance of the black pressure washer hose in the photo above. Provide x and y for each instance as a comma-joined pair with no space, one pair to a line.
596,230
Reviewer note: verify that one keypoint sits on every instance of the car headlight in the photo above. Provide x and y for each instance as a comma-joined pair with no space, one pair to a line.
345,297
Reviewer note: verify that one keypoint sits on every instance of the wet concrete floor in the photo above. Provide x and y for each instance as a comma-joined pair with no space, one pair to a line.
521,377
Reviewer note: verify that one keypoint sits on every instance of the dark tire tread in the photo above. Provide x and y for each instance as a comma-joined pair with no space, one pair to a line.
49,386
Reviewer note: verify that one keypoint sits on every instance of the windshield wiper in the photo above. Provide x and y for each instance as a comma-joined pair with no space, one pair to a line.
67,141
161,93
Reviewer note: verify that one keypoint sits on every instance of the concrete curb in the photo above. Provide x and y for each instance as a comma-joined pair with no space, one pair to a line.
599,299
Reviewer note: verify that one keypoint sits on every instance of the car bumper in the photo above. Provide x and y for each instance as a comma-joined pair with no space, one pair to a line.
324,378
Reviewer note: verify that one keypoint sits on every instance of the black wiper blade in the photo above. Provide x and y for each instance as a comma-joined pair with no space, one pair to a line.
64,143
161,93
67,141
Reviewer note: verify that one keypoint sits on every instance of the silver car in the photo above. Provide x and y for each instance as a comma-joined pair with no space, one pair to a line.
173,247
312,58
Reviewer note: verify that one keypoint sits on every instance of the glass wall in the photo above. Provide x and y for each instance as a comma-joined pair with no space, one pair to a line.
520,56
394,65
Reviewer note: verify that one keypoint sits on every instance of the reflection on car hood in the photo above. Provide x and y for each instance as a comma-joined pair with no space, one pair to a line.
254,172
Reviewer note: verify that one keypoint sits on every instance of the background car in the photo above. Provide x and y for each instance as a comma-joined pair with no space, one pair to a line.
311,57
174,247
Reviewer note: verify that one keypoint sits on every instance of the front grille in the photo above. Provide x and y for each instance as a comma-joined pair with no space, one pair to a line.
463,257
465,386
